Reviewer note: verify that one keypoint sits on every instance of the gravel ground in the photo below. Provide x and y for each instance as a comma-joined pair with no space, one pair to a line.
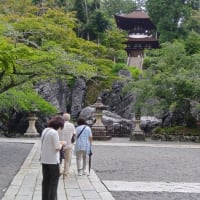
147,164
12,157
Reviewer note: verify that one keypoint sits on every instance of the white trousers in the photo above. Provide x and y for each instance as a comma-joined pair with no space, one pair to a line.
81,160
67,160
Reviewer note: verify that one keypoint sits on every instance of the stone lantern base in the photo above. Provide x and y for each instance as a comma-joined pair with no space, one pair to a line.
138,136
31,131
100,133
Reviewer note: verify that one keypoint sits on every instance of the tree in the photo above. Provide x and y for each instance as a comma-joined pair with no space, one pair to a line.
112,7
170,83
114,39
192,43
169,25
81,9
35,48
194,4
97,25
141,4
193,22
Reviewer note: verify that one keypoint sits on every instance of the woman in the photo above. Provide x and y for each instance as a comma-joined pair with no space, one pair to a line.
50,158
82,146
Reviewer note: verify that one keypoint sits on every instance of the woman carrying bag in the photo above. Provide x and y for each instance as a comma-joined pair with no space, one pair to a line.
50,158
82,146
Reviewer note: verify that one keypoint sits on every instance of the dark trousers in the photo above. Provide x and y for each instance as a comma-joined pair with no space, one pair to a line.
50,181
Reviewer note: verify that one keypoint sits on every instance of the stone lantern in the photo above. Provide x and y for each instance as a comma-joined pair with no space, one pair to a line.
32,131
137,133
98,129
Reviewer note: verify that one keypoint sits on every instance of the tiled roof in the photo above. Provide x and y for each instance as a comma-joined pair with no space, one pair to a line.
137,14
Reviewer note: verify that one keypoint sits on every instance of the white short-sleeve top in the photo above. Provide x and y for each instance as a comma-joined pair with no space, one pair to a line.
49,143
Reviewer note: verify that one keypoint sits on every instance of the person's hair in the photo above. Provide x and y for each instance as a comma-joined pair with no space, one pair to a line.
81,121
56,122
66,116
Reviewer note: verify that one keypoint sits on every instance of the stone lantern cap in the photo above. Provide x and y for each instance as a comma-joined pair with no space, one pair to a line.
99,105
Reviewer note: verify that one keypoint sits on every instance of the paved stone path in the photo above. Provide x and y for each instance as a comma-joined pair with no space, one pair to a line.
26,185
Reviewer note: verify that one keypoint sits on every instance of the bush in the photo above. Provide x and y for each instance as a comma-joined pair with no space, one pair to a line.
176,130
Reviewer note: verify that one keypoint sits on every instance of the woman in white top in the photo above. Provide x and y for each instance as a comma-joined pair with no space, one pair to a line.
50,146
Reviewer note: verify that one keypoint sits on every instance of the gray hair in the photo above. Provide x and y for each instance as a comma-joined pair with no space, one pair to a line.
66,116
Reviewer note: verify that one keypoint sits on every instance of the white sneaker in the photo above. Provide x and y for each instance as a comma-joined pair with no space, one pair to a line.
80,173
84,173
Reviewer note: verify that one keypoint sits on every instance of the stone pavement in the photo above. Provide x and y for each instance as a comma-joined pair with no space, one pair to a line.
26,185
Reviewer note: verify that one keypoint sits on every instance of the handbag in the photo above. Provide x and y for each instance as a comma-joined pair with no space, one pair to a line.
73,139
62,154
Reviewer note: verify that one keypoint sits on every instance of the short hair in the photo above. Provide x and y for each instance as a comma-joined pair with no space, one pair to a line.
81,121
66,116
56,122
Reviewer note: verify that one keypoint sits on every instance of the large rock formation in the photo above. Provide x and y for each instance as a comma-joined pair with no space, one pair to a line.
78,97
56,92
64,98
117,102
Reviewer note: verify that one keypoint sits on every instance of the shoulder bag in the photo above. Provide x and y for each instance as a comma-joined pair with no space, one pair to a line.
81,132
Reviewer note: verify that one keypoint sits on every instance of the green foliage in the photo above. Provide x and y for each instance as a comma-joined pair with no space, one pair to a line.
169,25
94,88
81,9
176,130
45,46
193,22
117,67
135,72
12,6
192,43
167,130
170,83
38,43
21,99
41,44
114,39
111,7
97,24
